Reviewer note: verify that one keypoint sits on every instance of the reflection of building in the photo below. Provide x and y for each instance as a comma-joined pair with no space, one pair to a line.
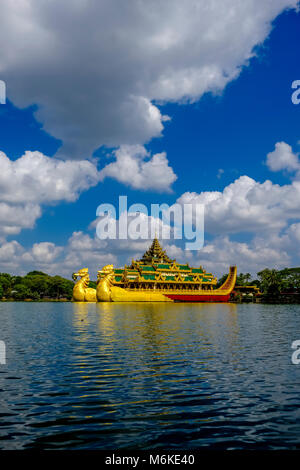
155,277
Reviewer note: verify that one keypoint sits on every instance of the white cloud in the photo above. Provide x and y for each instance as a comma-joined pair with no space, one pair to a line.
268,248
135,167
82,250
251,257
15,217
247,206
283,158
95,68
294,235
45,252
15,258
269,212
35,179
9,250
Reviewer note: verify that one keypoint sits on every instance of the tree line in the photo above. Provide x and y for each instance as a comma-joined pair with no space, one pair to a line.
35,285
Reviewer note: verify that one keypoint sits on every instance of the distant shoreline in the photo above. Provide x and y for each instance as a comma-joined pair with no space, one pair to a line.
33,300
261,302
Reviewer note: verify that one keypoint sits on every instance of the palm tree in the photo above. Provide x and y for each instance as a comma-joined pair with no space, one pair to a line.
271,281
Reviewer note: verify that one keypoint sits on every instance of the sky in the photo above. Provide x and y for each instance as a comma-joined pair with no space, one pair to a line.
163,102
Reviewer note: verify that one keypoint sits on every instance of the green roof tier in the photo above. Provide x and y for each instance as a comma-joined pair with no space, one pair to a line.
149,277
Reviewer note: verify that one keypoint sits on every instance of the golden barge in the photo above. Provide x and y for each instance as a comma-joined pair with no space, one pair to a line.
153,278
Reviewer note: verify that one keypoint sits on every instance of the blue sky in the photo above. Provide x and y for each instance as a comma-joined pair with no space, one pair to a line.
215,134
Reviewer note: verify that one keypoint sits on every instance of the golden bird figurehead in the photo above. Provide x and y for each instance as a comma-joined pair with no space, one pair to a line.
109,268
84,272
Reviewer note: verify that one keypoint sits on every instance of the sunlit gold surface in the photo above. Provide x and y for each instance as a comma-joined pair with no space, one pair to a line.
123,295
104,283
107,292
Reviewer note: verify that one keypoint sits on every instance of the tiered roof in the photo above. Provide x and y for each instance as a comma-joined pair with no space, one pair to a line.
156,266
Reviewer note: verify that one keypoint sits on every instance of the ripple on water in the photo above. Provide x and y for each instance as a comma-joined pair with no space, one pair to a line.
146,376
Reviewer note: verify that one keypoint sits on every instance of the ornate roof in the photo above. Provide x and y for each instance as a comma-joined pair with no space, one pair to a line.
155,254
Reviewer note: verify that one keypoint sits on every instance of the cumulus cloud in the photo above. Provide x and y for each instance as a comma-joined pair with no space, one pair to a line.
15,258
97,69
82,250
247,206
9,250
35,179
45,252
262,209
15,217
283,158
268,211
135,167
251,257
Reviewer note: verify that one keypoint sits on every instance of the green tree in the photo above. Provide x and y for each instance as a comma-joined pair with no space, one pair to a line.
60,287
6,282
35,285
21,292
37,273
271,281
290,279
243,279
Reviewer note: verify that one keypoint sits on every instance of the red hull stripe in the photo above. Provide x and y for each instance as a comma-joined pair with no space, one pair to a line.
198,298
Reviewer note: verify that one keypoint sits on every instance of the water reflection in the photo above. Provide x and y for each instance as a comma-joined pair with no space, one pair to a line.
160,352
148,376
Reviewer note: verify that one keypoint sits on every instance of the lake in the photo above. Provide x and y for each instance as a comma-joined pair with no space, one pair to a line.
149,376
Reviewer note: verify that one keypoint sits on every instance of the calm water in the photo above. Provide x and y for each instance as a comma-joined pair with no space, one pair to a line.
146,376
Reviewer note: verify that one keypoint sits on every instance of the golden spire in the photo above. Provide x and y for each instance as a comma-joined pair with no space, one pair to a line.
155,254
